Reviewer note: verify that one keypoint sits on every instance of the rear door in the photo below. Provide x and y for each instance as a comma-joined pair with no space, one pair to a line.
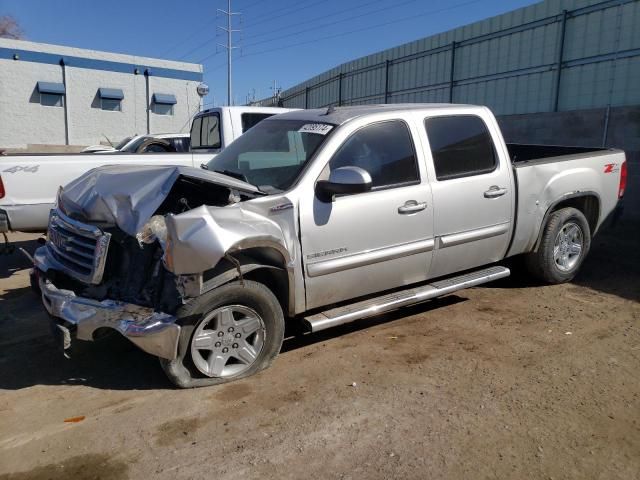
472,193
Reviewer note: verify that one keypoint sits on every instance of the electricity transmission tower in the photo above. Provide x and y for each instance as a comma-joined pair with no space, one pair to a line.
229,46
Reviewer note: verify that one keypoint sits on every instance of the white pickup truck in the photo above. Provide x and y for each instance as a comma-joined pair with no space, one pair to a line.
321,217
29,182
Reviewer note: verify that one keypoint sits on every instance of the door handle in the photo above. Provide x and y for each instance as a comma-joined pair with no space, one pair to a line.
495,192
411,206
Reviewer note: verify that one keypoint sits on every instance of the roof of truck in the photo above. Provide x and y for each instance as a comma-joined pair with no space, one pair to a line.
340,115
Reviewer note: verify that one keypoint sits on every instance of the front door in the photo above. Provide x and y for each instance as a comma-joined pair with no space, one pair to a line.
373,241
472,194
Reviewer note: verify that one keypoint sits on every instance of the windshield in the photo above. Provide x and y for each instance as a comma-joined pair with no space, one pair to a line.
122,143
272,153
132,145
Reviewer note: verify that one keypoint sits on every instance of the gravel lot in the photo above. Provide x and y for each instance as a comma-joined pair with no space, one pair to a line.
513,380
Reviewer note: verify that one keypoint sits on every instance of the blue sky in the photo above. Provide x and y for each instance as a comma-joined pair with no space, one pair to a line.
283,40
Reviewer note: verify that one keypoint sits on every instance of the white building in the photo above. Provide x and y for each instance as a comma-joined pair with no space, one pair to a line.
56,95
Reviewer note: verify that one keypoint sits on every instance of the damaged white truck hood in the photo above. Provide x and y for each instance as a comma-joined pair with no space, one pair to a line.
128,195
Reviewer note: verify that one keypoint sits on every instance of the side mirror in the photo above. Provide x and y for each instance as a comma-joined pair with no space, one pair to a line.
343,181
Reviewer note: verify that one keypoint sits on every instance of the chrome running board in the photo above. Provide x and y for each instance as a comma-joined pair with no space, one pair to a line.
392,301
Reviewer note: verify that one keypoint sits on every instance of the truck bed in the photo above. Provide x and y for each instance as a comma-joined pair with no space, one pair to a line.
530,153
546,175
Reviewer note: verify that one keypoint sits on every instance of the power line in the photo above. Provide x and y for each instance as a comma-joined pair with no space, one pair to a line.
350,32
289,12
269,14
318,27
317,18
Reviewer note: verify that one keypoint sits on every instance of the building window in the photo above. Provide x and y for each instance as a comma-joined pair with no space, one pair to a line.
111,99
51,94
163,103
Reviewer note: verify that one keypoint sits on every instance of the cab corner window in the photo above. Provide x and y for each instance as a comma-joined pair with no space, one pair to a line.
251,119
461,146
385,150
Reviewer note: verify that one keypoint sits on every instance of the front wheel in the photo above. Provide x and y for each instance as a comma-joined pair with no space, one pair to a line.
229,333
565,242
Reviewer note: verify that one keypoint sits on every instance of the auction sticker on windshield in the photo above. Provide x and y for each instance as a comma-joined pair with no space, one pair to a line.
319,128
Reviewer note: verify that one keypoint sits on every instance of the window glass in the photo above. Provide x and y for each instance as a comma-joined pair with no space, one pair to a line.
111,104
51,100
156,147
180,144
461,146
385,150
195,132
163,109
210,132
272,154
251,119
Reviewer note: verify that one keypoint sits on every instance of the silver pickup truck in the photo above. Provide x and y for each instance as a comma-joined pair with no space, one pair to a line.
320,217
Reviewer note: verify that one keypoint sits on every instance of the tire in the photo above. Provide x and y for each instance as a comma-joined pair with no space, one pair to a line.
217,321
557,259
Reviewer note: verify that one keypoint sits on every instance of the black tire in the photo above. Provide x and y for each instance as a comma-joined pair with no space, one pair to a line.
183,372
542,264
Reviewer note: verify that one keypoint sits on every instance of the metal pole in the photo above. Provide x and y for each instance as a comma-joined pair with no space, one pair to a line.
65,100
563,27
340,89
452,70
229,47
386,81
229,52
146,82
306,97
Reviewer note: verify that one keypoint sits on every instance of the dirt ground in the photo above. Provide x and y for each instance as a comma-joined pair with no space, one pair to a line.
513,380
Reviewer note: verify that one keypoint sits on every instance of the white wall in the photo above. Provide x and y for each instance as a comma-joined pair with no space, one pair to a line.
23,120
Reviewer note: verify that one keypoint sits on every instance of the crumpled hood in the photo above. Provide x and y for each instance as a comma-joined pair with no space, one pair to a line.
128,195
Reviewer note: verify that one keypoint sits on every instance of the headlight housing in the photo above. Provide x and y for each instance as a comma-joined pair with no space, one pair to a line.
154,229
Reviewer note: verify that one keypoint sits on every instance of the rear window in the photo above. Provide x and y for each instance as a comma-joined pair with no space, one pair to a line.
461,146
205,131
251,119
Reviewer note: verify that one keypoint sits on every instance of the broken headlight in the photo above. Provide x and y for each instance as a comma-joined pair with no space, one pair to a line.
154,229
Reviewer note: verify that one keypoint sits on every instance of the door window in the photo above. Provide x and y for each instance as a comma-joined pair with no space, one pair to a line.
385,150
461,146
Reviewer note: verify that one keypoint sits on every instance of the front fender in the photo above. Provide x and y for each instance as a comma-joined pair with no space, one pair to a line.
198,239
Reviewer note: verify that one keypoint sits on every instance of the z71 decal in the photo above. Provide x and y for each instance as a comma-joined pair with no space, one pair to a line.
18,168
611,168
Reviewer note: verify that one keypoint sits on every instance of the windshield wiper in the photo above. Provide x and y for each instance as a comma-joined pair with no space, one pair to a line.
237,175
233,174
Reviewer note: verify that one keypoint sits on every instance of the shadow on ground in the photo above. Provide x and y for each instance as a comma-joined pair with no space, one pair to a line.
29,355
612,266
16,260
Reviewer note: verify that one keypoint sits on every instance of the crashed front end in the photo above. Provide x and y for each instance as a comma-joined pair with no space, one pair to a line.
127,246
74,260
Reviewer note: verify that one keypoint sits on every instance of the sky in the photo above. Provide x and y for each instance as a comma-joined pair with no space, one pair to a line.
285,41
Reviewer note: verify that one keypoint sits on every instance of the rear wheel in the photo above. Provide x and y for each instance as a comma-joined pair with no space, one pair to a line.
565,242
229,333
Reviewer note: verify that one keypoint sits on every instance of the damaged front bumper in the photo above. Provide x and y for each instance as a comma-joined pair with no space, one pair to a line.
154,332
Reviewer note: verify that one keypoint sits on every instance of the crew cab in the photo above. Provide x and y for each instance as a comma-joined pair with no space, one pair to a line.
318,217
29,182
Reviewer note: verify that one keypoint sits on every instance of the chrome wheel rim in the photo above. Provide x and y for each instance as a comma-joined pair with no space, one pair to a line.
568,247
227,341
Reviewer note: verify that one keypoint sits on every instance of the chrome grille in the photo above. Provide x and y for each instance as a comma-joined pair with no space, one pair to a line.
79,249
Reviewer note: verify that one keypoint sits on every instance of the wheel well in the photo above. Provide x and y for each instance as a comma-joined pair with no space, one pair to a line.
589,205
275,279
